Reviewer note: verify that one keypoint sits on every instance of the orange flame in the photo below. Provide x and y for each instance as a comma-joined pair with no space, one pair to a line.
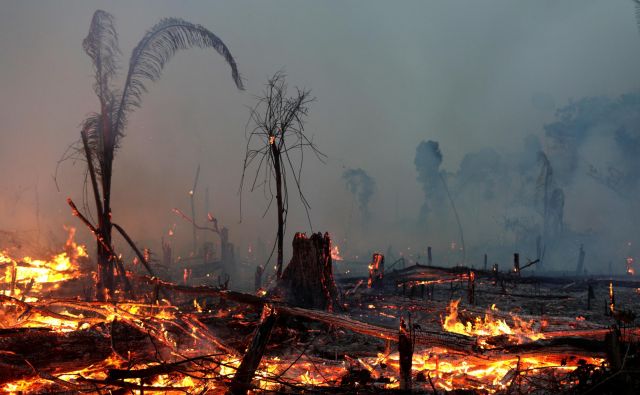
335,253
489,326
31,275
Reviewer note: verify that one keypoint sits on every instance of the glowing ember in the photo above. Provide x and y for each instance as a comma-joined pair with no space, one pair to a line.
205,365
454,372
335,253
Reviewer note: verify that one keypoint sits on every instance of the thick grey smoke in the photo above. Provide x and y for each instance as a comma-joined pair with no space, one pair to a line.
361,185
481,80
603,134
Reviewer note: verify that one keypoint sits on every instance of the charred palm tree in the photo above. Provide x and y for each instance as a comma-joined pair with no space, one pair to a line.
102,131
277,123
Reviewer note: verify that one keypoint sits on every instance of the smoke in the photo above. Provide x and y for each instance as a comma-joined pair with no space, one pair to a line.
427,161
483,169
477,112
362,186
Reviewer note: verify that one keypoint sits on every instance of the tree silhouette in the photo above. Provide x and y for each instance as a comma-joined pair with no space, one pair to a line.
277,122
102,131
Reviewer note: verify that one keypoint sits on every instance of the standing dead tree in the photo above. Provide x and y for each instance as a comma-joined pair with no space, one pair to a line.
277,129
102,131
552,201
192,197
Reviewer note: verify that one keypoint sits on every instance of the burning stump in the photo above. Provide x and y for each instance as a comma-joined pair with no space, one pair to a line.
376,271
308,279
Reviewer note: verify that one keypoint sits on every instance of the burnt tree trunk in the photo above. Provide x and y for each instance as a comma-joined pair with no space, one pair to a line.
376,271
258,278
275,152
227,254
405,350
580,264
308,279
104,285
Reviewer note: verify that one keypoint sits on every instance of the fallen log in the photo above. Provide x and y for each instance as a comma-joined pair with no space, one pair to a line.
452,341
28,352
559,345
429,338
246,371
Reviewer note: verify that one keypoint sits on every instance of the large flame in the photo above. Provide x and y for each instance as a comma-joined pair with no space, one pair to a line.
488,326
27,275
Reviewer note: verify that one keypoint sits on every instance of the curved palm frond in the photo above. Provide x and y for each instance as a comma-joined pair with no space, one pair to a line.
91,128
155,49
101,44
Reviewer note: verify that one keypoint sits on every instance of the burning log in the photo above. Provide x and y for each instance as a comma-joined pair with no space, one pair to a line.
244,375
452,341
308,279
27,352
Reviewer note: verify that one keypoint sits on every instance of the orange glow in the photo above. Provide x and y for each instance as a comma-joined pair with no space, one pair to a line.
488,326
30,276
488,372
335,253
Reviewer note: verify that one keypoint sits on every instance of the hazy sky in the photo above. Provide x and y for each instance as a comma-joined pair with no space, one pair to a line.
386,74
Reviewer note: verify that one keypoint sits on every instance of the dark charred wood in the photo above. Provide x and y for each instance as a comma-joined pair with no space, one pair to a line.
308,279
27,353
405,351
246,371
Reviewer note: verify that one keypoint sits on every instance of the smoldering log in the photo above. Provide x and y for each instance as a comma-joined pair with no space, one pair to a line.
26,352
557,341
436,338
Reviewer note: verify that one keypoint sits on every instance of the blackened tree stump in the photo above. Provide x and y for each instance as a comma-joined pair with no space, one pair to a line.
376,271
308,279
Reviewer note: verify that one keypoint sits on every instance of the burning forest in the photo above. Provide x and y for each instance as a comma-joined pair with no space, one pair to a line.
292,262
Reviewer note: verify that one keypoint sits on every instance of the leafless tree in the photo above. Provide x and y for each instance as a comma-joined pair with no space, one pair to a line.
274,130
